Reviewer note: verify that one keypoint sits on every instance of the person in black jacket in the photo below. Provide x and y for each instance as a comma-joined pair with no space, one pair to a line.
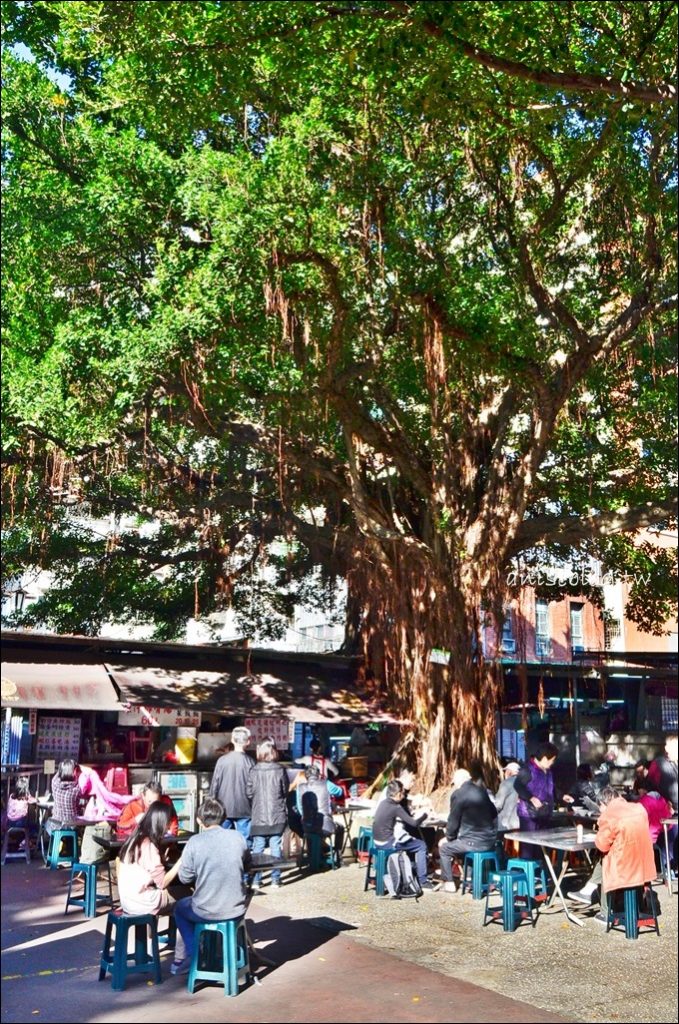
267,789
472,824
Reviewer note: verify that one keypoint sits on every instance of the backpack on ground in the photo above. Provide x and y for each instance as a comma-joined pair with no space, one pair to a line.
399,880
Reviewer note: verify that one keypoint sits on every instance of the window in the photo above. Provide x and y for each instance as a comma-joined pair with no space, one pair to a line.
508,641
577,635
611,632
542,635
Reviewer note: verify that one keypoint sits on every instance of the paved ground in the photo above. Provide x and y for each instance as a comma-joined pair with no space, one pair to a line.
345,956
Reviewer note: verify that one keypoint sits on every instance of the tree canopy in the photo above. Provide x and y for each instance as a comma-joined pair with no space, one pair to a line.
391,284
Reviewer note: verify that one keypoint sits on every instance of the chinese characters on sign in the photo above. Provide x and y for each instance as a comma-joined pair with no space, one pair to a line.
154,716
279,729
58,738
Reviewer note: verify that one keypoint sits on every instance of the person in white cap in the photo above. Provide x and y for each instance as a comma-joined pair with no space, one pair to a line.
472,824
506,799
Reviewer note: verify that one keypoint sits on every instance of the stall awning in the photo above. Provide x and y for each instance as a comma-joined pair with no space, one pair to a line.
59,687
302,695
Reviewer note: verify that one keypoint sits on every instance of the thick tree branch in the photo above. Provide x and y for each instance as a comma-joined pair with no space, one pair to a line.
571,530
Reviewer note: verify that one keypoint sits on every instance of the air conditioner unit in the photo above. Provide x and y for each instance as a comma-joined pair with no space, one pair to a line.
578,648
508,646
543,646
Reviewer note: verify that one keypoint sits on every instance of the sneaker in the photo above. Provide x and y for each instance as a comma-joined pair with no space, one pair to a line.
255,887
276,885
587,898
601,918
449,887
180,966
428,886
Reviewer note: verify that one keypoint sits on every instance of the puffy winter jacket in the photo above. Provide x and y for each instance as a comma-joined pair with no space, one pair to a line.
267,788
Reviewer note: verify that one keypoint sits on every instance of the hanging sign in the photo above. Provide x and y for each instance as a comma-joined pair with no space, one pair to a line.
154,716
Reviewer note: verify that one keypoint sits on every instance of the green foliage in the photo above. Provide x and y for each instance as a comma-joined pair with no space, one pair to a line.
229,231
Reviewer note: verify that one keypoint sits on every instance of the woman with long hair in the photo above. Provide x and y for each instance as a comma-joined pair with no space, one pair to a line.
143,877
66,794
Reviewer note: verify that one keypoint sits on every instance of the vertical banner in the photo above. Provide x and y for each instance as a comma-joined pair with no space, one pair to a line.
32,721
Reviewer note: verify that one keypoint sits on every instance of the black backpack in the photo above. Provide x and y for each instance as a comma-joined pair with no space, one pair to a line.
399,880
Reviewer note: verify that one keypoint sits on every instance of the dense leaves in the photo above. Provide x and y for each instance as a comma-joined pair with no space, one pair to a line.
387,283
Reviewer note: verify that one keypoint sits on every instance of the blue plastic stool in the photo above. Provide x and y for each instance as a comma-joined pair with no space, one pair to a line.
90,899
118,961
535,875
168,936
380,854
509,911
226,961
478,864
631,918
54,855
364,840
316,857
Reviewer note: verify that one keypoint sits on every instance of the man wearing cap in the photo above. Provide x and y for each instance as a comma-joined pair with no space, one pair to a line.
472,824
506,799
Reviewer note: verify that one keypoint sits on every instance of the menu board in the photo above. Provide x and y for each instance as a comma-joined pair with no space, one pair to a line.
58,738
276,728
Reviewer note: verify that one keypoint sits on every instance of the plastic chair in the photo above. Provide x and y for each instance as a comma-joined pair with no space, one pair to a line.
12,832
121,963
510,911
364,842
380,855
90,899
535,874
54,854
227,961
632,918
478,863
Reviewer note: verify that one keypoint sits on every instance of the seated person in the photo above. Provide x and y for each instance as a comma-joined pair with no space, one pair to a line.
585,792
134,812
143,875
623,837
216,861
472,824
390,828
315,810
657,807
18,803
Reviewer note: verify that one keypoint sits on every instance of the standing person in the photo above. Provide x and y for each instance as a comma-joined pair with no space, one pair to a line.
624,838
267,789
134,811
472,823
143,875
535,785
67,795
662,772
318,760
230,783
214,861
506,799
390,829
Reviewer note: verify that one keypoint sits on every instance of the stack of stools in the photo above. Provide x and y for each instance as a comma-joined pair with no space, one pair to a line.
632,917
90,899
54,854
121,963
380,856
478,864
535,874
220,954
313,841
13,832
516,906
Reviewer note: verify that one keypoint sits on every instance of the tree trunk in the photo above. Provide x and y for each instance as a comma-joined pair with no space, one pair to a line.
409,612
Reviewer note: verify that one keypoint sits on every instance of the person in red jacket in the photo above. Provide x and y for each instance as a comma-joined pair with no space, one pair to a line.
136,809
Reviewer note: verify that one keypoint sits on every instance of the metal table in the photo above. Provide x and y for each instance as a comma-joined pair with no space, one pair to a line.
566,840
667,824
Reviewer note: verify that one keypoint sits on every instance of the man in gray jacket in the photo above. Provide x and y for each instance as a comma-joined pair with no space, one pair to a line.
506,799
230,783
